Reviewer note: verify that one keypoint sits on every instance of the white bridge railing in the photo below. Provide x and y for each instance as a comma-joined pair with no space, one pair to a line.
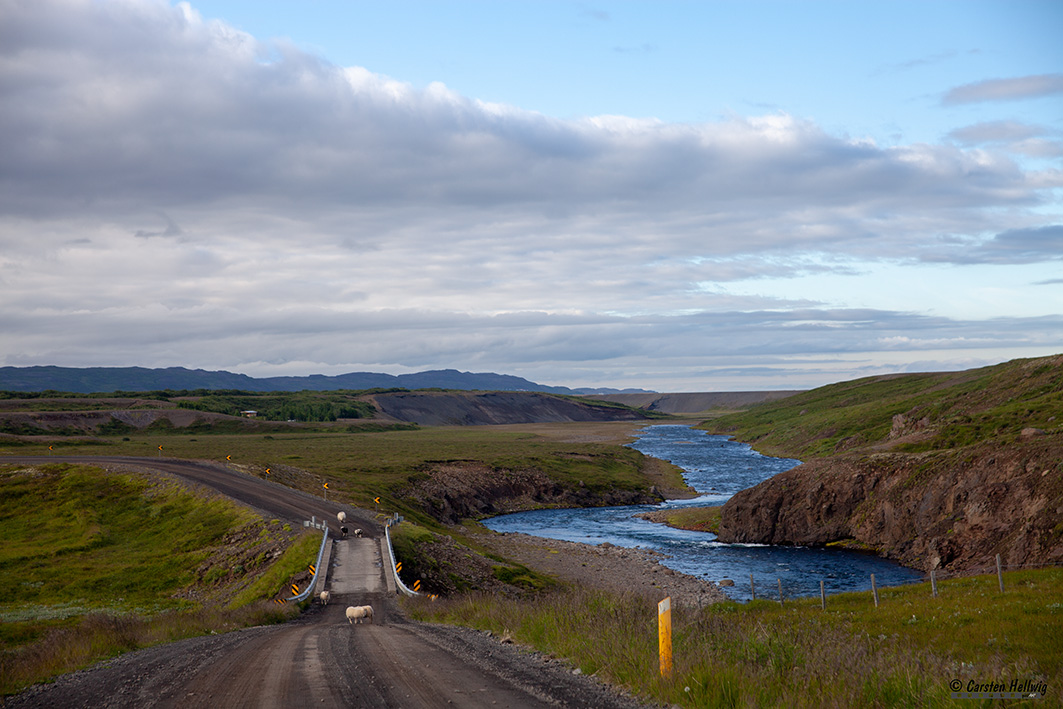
395,519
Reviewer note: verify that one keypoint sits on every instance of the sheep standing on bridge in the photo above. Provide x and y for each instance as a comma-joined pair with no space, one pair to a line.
324,596
358,613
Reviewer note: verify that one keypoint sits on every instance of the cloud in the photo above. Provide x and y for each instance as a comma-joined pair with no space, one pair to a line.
1012,89
176,192
1013,136
172,229
1032,245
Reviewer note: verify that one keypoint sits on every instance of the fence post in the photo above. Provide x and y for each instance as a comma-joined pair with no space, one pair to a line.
1000,575
933,583
780,592
822,596
874,590
752,591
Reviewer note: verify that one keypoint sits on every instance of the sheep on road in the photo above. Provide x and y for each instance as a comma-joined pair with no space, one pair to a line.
358,613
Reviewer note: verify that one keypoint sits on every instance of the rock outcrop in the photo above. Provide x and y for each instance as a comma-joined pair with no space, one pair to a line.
453,491
943,509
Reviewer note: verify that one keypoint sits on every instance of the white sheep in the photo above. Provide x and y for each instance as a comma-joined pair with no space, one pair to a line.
341,516
357,613
324,596
357,532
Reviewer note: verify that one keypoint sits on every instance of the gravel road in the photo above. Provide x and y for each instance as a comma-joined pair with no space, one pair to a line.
319,659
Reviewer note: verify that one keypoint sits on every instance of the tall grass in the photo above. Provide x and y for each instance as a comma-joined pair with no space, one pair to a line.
96,563
903,653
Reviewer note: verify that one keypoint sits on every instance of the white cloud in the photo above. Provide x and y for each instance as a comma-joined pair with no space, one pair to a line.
1008,89
175,192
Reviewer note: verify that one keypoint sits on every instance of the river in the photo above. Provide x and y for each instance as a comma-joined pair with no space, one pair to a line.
717,468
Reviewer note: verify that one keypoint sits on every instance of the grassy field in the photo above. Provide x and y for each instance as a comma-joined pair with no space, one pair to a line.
362,466
904,653
959,408
98,563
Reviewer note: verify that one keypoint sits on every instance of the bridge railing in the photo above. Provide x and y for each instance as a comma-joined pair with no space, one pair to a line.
302,595
395,519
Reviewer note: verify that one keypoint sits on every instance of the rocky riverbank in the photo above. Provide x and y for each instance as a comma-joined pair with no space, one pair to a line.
605,566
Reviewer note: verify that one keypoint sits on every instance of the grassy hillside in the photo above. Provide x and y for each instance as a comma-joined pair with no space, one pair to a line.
95,563
938,411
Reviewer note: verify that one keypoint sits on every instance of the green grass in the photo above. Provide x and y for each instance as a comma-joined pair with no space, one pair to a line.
960,408
96,563
903,653
362,466
122,540
698,519
274,582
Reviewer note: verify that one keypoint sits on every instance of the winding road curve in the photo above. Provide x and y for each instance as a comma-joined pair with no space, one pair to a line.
318,659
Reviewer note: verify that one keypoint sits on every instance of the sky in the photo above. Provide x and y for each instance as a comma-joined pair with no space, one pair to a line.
676,196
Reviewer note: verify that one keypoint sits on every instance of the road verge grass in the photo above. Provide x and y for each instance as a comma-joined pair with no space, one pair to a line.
97,563
906,652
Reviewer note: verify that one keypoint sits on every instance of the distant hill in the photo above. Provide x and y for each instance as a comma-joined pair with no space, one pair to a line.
692,403
90,380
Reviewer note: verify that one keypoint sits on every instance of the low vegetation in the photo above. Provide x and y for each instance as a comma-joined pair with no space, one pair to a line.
369,464
444,566
905,652
946,410
97,563
300,406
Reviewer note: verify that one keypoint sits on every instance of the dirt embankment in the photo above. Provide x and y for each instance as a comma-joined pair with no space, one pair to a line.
451,492
493,408
65,423
946,509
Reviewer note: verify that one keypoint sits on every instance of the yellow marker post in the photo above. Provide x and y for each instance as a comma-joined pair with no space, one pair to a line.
228,457
295,589
398,566
268,471
664,635
312,569
417,585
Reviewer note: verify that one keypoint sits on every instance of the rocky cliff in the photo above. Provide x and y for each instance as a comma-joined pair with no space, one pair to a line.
927,511
946,474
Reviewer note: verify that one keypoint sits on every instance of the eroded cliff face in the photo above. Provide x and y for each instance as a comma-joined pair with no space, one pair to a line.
453,491
944,509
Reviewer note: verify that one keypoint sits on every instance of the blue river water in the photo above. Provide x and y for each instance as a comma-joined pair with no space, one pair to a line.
717,468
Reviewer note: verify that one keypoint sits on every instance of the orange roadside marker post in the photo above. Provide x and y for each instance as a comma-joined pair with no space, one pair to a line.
664,635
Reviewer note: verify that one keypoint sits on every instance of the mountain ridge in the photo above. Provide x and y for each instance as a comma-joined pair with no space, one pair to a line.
90,380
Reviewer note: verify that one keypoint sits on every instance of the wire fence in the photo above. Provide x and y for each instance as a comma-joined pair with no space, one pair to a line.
775,589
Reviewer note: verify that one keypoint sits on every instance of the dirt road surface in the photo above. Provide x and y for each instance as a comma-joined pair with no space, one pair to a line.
321,659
